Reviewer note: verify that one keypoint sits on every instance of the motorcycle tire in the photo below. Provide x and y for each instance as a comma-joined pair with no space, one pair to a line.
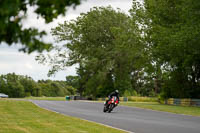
104,109
110,108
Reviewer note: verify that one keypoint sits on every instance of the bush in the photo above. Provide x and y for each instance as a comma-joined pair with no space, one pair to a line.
27,94
127,93
134,93
130,93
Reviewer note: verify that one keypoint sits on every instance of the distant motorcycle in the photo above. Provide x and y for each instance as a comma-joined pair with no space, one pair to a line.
111,104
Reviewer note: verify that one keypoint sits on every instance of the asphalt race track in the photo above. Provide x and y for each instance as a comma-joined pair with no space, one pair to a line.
128,118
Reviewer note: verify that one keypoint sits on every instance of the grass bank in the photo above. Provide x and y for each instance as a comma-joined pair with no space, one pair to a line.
25,117
194,111
47,98
142,99
130,98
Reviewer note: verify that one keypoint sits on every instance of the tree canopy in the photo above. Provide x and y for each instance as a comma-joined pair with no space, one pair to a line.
171,30
154,50
106,46
24,86
12,12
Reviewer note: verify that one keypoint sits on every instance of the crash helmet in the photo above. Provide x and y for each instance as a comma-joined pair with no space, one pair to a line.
116,91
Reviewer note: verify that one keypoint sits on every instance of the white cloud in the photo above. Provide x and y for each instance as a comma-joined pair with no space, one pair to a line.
23,64
13,61
29,66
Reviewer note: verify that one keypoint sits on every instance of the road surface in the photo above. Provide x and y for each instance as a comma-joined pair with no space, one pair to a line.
128,118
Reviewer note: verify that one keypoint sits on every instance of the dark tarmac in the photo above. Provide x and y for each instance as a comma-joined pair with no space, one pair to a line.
127,118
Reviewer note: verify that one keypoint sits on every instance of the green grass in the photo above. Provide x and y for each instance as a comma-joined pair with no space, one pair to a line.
142,99
25,117
47,98
194,111
130,98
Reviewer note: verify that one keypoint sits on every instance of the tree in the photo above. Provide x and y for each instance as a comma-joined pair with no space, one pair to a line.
24,86
171,31
30,86
72,81
55,88
3,85
12,86
12,12
105,44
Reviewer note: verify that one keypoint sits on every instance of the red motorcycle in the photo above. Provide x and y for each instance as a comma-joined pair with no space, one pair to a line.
111,104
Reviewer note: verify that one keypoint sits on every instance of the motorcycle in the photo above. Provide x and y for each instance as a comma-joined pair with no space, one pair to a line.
111,104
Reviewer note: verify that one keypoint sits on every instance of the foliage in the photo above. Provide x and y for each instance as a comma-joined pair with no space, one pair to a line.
105,44
178,47
24,86
154,50
10,85
127,93
12,14
130,93
55,88
72,81
170,30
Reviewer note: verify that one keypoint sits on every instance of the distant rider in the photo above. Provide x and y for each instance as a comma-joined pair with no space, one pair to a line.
114,93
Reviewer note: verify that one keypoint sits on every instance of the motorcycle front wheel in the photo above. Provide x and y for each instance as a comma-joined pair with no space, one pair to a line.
104,109
110,108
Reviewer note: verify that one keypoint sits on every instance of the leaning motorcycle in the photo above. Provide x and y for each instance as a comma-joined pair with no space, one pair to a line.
111,104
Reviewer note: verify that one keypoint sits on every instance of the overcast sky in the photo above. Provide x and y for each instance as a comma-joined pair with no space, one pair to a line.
23,64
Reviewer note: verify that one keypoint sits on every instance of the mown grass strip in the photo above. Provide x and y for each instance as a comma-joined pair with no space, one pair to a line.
25,117
194,111
142,99
130,98
47,98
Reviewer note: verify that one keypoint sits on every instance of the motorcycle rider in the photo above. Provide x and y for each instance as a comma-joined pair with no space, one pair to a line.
115,93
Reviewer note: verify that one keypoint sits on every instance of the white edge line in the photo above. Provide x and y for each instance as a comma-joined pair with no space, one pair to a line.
84,119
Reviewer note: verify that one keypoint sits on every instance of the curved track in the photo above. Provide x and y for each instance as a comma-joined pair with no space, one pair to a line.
127,118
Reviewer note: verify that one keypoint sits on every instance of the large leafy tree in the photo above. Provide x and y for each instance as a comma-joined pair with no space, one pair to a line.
105,43
171,31
12,12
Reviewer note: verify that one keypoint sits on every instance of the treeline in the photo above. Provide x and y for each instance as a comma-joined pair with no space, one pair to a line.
24,86
155,50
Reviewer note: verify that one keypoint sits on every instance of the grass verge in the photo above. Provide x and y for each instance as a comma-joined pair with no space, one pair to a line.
130,98
142,99
25,117
47,98
194,111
